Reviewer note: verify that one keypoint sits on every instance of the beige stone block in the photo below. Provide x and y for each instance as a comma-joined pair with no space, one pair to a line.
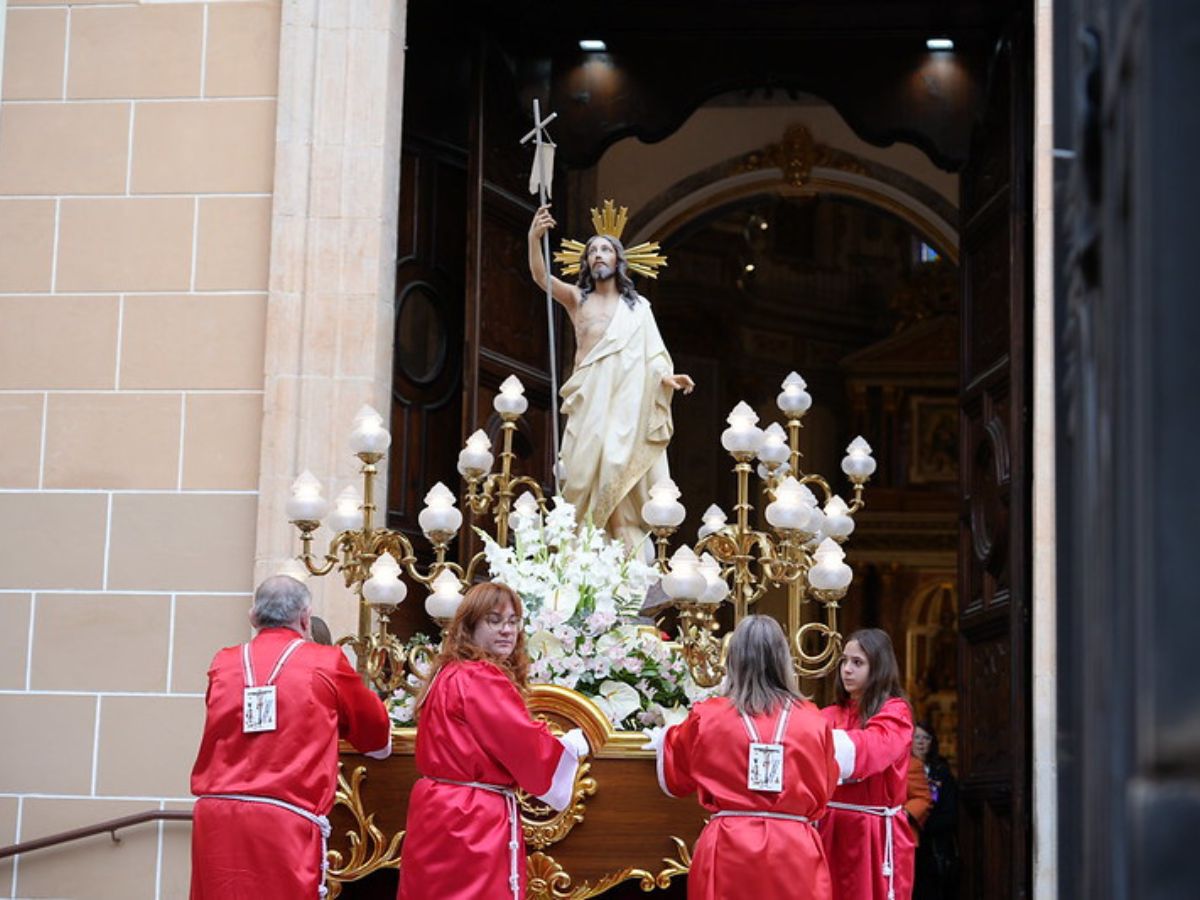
243,50
197,343
136,51
212,146
97,867
148,745
221,442
26,244
20,449
126,243
182,542
8,834
57,343
203,625
14,625
113,441
64,148
47,746
34,43
100,642
175,874
234,246
52,541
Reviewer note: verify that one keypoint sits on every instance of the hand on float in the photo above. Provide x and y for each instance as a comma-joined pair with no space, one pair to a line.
577,742
654,737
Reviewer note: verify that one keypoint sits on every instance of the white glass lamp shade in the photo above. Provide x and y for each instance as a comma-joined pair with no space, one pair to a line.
443,601
306,503
347,512
511,399
742,436
663,509
838,522
829,572
684,580
714,520
384,587
293,568
439,513
793,507
794,400
475,459
774,450
858,463
369,435
524,513
716,588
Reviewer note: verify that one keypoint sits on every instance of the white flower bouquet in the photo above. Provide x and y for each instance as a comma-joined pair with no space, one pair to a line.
582,592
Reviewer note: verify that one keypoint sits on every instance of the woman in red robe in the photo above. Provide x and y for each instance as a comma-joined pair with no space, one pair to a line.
476,744
866,834
762,760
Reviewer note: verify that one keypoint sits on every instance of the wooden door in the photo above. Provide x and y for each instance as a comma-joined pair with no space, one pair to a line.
994,559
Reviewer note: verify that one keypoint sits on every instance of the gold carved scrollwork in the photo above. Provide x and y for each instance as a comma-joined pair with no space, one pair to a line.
547,880
544,825
370,850
796,155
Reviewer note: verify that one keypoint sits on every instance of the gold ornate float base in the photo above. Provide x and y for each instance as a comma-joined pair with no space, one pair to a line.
620,832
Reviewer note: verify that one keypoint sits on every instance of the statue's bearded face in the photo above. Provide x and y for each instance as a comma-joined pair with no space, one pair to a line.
601,258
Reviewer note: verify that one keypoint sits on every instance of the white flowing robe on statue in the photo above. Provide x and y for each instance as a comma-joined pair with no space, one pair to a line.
618,423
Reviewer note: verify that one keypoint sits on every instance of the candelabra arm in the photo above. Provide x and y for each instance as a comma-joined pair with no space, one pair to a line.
827,636
468,577
704,654
819,482
858,502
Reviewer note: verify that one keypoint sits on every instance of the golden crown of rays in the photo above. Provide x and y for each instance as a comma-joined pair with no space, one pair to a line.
644,259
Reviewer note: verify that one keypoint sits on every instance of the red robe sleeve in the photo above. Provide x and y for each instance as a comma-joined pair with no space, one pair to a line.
886,738
362,717
522,747
675,761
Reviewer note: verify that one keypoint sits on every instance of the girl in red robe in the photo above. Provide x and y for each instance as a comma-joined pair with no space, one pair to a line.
762,759
866,834
476,743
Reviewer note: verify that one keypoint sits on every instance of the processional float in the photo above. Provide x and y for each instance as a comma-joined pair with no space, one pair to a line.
795,545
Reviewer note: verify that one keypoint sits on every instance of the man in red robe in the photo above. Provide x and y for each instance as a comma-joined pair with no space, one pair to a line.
266,772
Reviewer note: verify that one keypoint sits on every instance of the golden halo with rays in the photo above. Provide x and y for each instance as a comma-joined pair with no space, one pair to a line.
644,259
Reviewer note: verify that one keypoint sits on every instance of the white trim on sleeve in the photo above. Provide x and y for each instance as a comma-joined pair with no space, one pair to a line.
659,748
383,752
563,784
845,753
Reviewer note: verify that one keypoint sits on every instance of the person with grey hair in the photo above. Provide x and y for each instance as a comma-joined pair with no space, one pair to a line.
266,772
761,758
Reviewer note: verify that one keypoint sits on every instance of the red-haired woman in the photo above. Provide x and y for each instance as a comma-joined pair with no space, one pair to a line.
867,838
475,745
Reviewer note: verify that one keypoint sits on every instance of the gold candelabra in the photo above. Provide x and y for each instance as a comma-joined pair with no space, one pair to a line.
801,550
374,559
737,561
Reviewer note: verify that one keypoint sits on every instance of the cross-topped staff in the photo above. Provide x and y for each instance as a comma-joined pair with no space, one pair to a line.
540,179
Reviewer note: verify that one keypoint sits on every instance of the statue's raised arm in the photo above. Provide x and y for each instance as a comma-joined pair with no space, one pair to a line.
618,399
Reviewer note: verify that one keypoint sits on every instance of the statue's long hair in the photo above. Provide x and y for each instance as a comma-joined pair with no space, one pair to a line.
625,288
459,643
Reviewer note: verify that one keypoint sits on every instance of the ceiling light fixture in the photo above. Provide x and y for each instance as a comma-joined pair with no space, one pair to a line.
592,45
939,43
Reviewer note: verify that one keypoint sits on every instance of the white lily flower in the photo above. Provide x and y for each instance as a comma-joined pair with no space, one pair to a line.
620,700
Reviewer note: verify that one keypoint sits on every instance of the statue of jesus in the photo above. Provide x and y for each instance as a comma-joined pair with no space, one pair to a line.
618,399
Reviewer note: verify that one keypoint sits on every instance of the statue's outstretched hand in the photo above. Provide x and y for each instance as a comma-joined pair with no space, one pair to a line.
542,222
680,383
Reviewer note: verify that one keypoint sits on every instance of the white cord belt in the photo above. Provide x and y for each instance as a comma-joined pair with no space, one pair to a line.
887,813
514,826
763,814
321,822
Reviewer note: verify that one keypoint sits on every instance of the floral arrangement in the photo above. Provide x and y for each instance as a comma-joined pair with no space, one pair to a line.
582,592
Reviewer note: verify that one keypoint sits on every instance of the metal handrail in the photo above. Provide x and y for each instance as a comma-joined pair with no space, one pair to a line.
111,826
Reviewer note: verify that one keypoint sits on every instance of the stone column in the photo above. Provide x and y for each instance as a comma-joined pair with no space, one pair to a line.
332,275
